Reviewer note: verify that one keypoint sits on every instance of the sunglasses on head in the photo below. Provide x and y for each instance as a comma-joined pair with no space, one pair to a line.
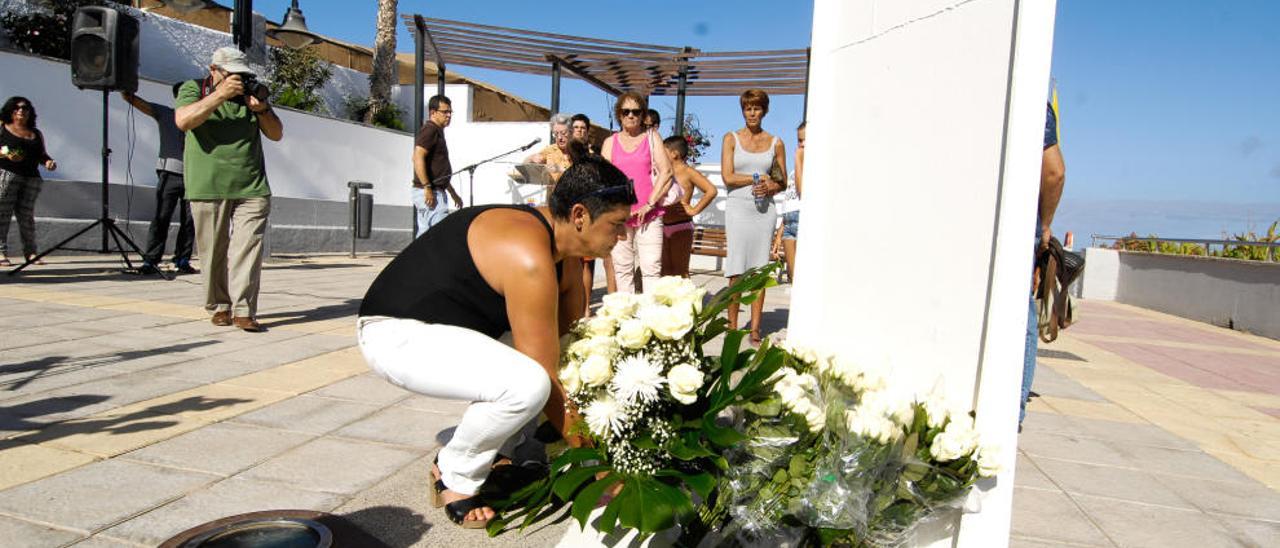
626,190
631,111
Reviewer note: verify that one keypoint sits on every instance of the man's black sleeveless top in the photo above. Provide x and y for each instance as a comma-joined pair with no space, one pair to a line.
434,280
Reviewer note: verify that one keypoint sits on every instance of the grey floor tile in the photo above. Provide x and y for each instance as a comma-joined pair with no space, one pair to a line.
1050,515
24,533
208,370
333,466
309,414
435,405
1106,481
366,388
226,498
99,494
223,448
1137,524
1068,446
1050,423
1193,463
1028,474
1250,500
1048,382
400,426
1130,433
1252,532
1028,542
291,350
104,542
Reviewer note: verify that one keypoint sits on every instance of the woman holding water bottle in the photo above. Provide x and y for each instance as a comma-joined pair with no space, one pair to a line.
751,163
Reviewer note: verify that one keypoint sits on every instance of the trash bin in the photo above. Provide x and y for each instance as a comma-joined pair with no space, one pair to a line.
361,212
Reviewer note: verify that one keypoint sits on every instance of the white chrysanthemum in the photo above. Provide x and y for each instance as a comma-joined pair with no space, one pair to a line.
637,379
604,416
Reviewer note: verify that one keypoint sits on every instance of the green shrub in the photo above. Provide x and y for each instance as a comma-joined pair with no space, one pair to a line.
295,75
391,116
46,33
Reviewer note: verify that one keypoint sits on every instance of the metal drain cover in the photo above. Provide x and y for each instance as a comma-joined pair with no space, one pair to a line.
267,529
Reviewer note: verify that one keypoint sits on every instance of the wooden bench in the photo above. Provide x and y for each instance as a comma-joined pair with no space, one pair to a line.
710,241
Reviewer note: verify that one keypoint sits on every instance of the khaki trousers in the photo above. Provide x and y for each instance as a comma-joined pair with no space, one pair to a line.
229,240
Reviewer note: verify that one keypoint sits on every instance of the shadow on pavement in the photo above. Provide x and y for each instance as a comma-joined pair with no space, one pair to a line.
149,418
58,365
347,308
377,527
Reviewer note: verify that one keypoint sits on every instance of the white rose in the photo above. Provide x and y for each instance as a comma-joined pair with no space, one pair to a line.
953,443
666,322
666,289
601,326
595,370
816,417
579,348
633,334
618,305
936,407
606,347
989,461
571,378
684,380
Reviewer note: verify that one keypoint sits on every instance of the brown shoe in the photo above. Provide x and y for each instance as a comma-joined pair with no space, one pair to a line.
222,318
248,324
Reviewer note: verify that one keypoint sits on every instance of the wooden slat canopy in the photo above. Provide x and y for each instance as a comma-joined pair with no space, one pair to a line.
613,65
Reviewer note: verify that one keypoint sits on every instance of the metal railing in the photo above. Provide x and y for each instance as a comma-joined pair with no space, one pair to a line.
1208,244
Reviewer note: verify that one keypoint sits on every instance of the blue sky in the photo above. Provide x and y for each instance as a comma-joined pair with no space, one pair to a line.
1170,123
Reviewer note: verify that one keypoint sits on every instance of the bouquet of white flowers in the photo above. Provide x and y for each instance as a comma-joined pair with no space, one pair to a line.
650,400
837,455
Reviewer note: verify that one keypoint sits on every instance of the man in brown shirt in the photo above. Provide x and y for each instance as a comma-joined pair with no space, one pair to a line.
431,167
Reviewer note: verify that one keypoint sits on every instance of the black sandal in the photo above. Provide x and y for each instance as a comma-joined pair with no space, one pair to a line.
458,510
438,487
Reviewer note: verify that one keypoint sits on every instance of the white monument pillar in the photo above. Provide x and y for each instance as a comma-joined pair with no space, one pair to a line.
926,121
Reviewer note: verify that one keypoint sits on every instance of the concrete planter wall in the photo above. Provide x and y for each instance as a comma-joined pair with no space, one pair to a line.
1243,295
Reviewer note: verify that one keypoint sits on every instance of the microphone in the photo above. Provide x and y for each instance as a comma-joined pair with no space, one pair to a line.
531,143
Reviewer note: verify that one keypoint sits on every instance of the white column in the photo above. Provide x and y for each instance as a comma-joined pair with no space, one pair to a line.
925,130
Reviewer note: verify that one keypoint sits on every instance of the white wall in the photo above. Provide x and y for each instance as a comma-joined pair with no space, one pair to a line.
932,126
1101,274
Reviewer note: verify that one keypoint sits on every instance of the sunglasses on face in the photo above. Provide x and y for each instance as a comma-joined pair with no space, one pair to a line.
631,112
627,191
24,107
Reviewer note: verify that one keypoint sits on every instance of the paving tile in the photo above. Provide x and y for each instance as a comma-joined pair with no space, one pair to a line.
223,448
208,370
333,466
1129,433
1027,474
1248,500
225,498
288,378
1252,532
366,388
1104,410
110,435
1136,524
401,426
292,350
308,414
1193,463
94,496
1266,472
25,533
103,542
1107,481
1074,447
106,394
22,462
1049,382
1028,542
1050,515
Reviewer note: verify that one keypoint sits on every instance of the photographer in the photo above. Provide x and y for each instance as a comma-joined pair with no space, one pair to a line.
225,117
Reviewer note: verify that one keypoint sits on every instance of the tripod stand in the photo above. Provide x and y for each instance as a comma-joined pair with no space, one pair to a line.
471,170
108,224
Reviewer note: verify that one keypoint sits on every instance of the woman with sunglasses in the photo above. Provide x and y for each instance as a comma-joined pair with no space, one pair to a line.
751,162
22,154
637,152
433,320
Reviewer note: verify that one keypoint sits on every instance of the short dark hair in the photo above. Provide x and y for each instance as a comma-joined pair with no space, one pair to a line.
583,181
802,124
653,113
6,112
580,117
433,104
640,100
677,144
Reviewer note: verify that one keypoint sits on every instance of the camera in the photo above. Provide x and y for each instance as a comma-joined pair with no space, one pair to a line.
252,87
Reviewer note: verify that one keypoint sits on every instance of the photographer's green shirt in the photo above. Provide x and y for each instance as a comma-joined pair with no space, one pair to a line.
223,156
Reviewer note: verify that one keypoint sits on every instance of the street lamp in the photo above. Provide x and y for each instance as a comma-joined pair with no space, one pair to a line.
293,32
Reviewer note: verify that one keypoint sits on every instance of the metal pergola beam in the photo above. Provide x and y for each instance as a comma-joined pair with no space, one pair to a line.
569,66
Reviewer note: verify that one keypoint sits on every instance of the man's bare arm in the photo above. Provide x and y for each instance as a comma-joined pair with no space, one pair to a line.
1053,175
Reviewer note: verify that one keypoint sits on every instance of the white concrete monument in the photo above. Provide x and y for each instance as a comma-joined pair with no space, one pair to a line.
924,141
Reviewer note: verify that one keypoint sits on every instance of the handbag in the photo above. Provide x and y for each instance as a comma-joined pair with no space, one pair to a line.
1058,269
674,192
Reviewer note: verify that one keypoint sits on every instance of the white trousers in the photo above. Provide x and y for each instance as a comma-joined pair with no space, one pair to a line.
642,248
507,389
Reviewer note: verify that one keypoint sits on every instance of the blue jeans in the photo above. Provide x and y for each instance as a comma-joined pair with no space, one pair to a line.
428,218
1032,344
790,225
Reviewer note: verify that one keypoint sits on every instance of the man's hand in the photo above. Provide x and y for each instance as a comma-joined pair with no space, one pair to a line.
255,105
1045,235
230,87
457,200
50,165
429,197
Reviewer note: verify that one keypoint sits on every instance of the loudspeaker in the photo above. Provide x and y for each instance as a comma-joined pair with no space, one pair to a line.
104,49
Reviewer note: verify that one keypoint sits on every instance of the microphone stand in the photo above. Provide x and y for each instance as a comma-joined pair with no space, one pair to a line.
471,172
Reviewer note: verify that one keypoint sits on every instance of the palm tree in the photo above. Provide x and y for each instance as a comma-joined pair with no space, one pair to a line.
384,60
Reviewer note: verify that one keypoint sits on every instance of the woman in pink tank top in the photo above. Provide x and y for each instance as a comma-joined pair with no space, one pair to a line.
632,151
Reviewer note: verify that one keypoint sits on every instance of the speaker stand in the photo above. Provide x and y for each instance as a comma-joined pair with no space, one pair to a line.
109,228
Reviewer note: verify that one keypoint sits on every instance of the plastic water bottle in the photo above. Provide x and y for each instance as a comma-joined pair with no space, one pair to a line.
762,202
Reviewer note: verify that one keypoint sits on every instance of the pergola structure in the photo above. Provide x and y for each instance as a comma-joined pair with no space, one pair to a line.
610,65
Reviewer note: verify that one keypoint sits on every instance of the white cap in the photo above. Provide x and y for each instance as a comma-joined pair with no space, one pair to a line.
232,60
